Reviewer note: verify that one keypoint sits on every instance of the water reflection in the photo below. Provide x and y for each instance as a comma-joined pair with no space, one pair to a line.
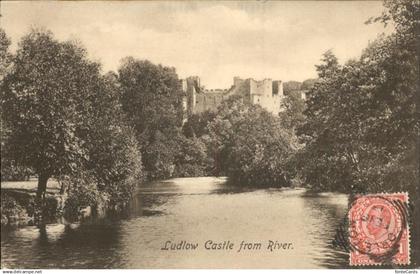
61,246
325,212
194,210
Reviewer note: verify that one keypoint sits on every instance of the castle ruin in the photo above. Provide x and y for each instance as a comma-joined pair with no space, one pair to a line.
266,93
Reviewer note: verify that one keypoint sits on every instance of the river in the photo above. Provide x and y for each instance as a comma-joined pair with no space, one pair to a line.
186,212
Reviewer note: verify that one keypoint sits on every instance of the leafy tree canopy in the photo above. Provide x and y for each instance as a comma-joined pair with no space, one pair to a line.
151,97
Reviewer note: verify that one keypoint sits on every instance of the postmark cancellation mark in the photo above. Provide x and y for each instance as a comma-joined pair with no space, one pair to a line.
378,230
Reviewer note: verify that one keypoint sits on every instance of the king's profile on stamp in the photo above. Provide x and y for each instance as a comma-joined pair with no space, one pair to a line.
379,230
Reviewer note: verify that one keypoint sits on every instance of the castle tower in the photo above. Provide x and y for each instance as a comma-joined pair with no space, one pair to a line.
266,93
192,87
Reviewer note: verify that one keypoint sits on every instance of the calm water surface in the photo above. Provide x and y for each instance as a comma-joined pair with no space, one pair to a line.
194,210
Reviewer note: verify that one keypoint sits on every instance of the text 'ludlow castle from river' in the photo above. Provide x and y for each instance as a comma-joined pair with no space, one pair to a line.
266,93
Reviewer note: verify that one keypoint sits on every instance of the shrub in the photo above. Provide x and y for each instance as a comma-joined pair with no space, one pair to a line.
83,193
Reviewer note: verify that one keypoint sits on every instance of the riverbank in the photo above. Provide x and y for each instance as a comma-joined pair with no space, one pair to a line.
18,197
18,202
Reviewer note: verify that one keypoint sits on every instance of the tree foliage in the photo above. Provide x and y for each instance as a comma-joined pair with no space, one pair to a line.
44,102
191,159
362,124
308,84
196,125
292,107
65,118
151,97
10,170
5,55
114,158
291,86
250,145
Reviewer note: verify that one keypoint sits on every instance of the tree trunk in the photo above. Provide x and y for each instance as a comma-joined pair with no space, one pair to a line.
40,197
42,187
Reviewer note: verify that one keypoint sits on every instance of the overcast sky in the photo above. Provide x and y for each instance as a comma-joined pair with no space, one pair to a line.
214,40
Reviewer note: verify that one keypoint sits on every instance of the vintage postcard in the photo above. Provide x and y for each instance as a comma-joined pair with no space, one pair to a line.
210,134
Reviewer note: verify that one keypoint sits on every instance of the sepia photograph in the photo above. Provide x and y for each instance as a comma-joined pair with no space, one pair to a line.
210,135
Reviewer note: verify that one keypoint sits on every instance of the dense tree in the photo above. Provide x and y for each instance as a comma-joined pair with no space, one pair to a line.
196,125
44,100
261,149
291,86
5,55
114,158
159,154
192,159
292,107
10,170
151,97
219,140
249,144
361,124
308,84
65,119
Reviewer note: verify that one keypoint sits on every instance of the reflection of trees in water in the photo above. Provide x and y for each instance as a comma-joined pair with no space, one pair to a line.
232,189
84,246
96,235
327,213
145,204
43,235
64,246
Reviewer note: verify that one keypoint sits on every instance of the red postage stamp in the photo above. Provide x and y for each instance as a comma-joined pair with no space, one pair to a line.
378,230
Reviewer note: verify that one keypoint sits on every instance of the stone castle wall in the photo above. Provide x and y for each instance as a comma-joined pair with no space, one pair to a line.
266,93
208,101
